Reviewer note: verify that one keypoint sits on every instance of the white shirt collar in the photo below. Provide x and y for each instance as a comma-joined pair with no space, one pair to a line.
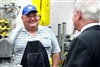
88,25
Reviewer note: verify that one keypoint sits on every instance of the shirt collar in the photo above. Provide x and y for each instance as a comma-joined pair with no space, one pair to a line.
39,28
88,25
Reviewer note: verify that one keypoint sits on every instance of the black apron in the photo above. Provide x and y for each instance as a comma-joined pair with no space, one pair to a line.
35,55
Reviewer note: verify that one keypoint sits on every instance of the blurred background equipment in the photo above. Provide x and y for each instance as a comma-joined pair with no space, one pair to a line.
8,13
5,50
11,11
6,44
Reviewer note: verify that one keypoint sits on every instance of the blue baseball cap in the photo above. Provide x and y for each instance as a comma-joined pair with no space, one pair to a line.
27,9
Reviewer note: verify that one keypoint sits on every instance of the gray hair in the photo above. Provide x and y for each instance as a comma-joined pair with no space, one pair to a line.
90,8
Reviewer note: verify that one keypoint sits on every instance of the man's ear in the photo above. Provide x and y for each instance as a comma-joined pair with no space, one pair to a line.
79,15
21,17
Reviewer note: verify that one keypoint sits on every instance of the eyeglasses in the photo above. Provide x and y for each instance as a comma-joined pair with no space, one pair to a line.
32,15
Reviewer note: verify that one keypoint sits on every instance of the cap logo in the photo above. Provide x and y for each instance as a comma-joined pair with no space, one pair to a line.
29,7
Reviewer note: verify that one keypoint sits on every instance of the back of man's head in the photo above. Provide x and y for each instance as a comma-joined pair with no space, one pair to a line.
90,8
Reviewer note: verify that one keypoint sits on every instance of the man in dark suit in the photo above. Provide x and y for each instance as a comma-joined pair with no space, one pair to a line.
84,50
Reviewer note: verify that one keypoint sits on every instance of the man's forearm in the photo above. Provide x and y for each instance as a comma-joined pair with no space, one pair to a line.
55,59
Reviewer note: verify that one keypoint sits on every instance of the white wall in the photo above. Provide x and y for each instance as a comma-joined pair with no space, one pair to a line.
60,11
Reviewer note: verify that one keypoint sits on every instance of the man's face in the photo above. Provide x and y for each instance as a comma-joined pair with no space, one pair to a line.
76,18
31,19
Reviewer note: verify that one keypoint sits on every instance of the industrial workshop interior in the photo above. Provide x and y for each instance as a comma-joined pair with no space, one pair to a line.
55,14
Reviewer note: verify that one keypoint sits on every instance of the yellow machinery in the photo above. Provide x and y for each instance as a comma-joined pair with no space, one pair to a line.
43,7
5,27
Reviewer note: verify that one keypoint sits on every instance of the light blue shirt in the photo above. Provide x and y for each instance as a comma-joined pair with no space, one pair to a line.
44,35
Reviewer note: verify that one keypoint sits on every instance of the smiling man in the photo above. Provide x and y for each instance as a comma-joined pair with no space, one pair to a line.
32,32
